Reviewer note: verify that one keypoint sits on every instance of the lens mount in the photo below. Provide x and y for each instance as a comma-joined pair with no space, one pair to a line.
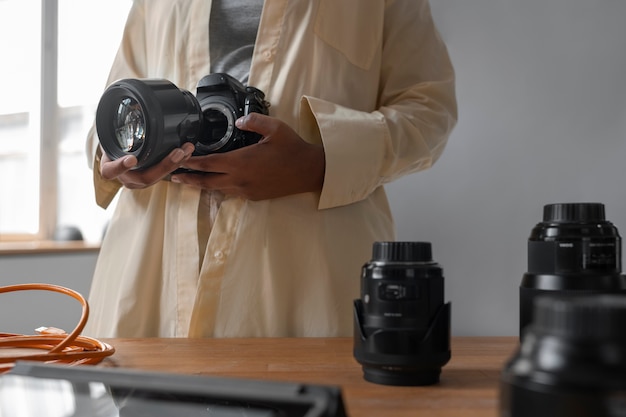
402,376
219,125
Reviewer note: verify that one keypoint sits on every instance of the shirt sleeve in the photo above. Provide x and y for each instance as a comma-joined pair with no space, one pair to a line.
129,62
409,130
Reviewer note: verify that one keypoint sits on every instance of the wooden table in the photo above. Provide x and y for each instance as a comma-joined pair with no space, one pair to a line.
468,387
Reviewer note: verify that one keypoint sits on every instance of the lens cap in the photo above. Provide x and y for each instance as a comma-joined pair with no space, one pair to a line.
402,252
573,212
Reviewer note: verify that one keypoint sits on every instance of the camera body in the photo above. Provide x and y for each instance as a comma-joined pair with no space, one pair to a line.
573,251
223,100
401,323
148,118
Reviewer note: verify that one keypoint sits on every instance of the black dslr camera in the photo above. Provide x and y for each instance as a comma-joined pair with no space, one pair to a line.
148,118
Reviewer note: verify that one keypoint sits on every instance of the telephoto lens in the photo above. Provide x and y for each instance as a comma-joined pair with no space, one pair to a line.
401,323
573,251
572,361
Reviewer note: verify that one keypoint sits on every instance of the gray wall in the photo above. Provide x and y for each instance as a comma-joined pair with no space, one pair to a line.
23,312
542,98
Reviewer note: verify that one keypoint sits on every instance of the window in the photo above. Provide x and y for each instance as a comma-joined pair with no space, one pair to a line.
59,54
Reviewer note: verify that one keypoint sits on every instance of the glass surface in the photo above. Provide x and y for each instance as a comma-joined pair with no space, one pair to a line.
129,125
22,396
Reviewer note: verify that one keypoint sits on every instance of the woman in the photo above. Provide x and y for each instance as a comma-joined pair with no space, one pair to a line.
270,241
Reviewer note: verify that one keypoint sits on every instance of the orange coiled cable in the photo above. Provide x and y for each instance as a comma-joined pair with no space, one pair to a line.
61,347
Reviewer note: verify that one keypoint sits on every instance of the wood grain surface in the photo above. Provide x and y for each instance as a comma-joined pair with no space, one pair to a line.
469,383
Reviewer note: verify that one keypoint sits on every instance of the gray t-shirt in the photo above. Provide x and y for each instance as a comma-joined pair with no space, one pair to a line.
233,28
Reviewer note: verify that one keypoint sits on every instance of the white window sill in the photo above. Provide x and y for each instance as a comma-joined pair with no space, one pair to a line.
45,247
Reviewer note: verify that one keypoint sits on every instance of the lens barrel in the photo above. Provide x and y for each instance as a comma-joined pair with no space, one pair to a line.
169,117
401,323
573,251
571,362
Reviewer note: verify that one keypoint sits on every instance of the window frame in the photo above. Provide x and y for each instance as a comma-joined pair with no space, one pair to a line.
49,134
51,119
45,122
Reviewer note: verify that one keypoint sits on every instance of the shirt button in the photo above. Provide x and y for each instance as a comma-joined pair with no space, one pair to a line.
267,55
219,255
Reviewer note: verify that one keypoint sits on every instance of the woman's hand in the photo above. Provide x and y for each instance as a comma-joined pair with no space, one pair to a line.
281,164
121,169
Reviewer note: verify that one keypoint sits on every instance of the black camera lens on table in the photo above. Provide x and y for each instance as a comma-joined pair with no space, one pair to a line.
148,118
573,251
401,323
571,362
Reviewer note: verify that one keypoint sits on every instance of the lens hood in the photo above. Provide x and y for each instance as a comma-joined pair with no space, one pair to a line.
403,356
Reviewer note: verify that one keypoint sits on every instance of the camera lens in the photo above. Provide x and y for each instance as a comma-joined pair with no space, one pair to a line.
571,362
146,118
574,250
401,323
129,125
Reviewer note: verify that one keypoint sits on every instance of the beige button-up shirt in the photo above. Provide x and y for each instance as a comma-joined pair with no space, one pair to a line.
371,80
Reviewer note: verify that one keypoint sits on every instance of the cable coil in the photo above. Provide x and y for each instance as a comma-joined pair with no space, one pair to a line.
58,346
